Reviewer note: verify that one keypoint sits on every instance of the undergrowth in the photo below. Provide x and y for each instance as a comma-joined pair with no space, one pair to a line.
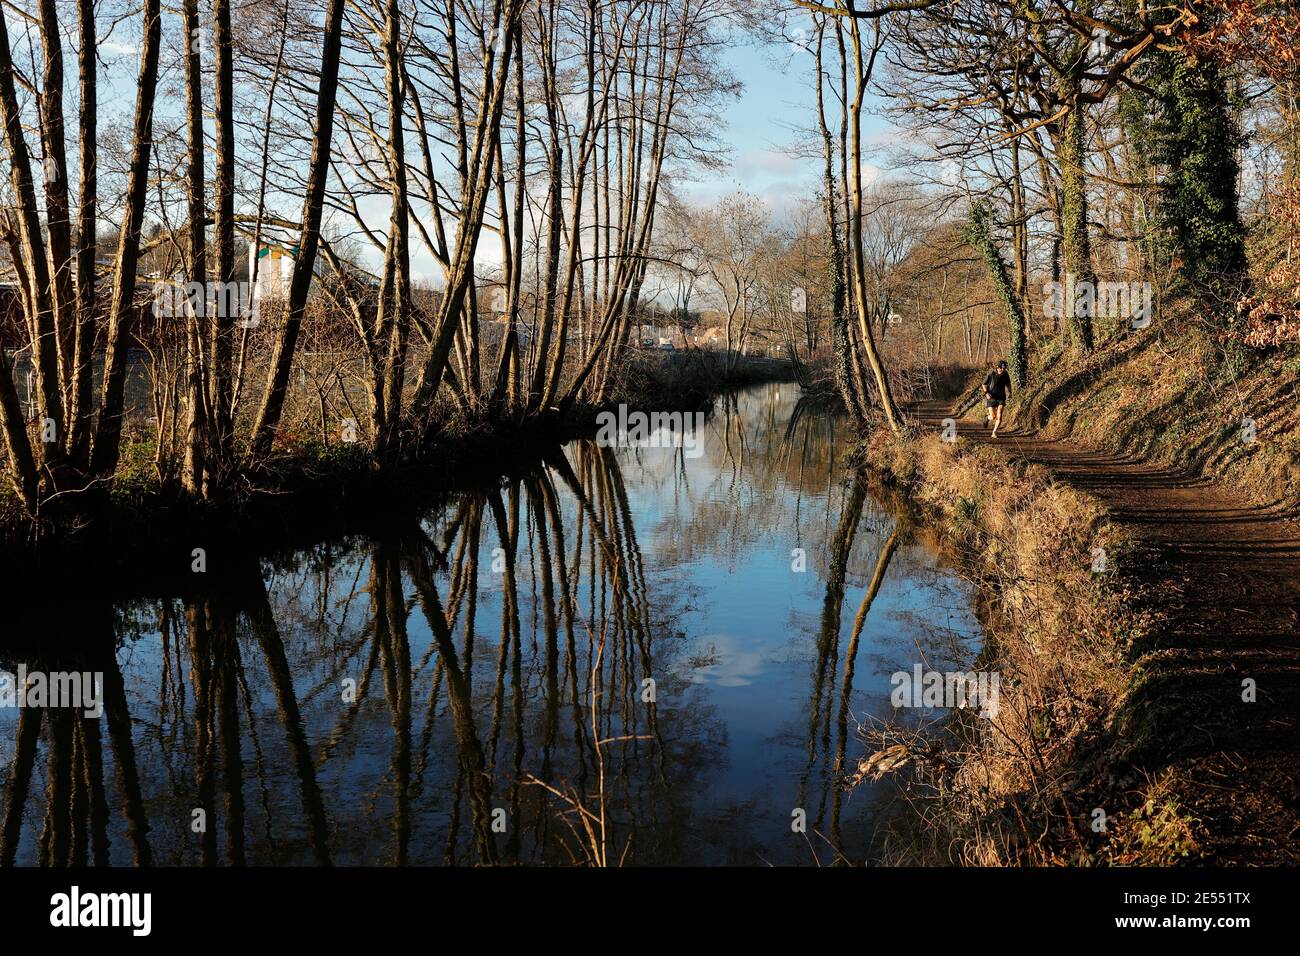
1023,787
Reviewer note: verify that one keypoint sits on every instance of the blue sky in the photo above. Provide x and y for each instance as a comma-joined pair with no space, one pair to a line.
764,127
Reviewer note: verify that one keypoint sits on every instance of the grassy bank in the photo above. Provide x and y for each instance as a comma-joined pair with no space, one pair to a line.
1181,395
1025,786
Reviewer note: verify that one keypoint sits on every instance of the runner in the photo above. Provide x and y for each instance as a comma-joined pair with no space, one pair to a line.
997,386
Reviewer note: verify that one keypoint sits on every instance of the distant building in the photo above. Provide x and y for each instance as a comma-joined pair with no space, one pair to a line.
491,296
662,336
274,268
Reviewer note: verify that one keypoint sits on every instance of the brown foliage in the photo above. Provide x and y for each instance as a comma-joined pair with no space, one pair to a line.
1264,34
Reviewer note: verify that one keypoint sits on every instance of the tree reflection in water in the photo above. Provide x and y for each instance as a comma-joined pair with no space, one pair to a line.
529,674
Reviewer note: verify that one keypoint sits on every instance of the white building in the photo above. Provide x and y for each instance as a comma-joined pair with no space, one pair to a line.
274,268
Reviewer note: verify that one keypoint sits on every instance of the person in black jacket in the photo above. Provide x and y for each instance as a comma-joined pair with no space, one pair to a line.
997,386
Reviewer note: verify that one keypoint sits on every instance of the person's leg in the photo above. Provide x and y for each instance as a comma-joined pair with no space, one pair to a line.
997,419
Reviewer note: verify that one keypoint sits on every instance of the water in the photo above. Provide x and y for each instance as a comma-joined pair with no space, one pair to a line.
614,657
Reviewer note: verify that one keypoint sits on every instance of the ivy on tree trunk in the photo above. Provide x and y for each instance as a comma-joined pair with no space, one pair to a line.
979,233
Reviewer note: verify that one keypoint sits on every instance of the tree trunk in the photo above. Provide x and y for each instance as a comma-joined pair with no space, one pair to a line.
222,327
33,253
108,431
874,359
1076,245
83,361
277,383
195,306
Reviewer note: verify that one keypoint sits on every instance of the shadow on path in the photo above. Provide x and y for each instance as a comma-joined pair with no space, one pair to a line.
1226,575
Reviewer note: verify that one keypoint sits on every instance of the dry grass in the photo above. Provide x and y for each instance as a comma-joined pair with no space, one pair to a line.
1176,395
1020,788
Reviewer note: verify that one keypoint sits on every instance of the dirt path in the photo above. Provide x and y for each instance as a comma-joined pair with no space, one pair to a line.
1227,574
